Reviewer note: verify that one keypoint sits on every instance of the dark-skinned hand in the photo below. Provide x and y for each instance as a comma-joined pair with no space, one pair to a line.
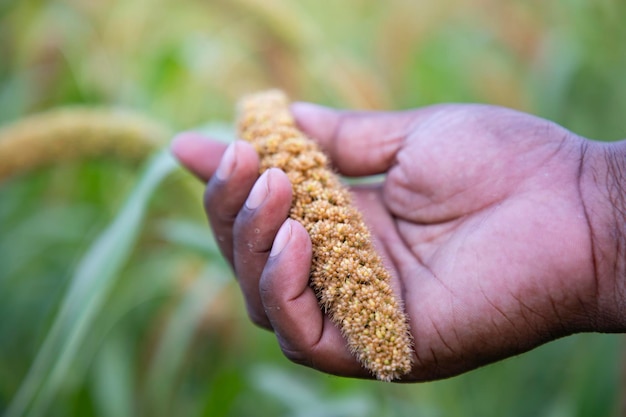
496,225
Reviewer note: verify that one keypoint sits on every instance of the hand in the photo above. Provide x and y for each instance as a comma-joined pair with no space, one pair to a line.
483,216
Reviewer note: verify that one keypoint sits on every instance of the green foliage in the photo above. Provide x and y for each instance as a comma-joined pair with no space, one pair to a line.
84,298
114,300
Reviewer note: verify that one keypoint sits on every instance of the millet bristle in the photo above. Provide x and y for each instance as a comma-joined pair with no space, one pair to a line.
76,133
347,274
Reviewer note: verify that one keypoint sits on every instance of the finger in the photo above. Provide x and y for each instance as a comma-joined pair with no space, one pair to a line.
254,231
197,153
358,143
306,336
227,191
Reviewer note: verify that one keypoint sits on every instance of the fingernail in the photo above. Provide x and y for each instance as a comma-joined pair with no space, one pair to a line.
282,238
258,192
225,168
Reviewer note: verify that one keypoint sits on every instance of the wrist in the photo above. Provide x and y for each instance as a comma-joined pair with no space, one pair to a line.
603,192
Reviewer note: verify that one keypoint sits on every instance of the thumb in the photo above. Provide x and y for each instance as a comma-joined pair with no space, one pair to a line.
358,142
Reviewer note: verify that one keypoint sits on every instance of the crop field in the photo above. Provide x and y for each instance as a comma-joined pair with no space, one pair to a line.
114,299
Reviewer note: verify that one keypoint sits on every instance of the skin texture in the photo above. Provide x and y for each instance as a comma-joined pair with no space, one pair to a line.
498,227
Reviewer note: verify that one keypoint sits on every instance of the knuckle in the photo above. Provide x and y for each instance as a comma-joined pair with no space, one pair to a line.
270,291
211,194
225,200
242,223
259,319
266,289
295,355
217,211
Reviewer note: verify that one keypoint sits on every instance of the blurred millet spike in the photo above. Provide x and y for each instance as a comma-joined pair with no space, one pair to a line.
347,274
76,133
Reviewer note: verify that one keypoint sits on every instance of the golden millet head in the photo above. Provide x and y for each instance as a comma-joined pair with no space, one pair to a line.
76,133
347,274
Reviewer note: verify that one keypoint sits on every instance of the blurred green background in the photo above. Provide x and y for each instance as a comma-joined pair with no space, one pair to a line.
113,299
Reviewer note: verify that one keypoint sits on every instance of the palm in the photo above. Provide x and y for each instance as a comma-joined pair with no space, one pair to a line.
477,227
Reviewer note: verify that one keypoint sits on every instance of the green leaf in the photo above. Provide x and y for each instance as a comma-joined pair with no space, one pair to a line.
177,338
113,380
86,295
